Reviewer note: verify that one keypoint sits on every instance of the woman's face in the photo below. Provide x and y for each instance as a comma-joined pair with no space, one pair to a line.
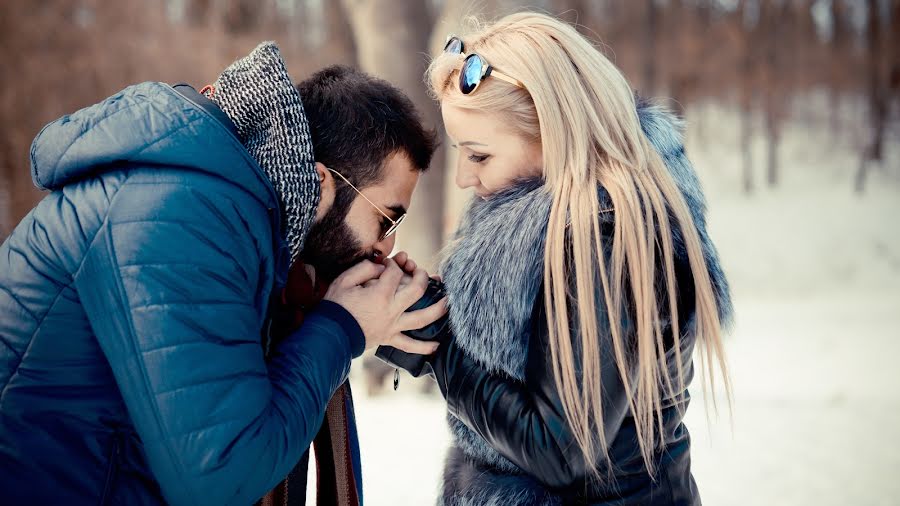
491,155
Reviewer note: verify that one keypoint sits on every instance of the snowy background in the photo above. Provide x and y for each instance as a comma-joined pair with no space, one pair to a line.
814,266
815,270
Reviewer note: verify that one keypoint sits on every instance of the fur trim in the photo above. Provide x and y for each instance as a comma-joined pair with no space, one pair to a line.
472,444
665,132
494,273
467,484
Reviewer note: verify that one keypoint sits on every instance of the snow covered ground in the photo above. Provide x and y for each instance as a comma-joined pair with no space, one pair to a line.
816,277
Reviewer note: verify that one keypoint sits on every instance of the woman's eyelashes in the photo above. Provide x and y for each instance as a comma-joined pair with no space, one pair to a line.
473,157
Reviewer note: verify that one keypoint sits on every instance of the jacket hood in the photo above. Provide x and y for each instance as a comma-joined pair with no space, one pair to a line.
147,124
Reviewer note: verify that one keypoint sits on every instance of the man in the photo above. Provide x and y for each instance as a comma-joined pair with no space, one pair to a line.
133,298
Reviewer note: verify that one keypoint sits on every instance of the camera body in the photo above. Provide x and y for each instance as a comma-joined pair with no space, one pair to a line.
437,331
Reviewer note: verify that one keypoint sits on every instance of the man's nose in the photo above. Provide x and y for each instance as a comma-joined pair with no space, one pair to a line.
465,177
385,246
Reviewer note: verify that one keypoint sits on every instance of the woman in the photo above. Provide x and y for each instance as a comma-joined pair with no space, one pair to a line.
579,281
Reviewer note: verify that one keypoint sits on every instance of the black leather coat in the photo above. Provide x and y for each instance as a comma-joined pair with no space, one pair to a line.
526,424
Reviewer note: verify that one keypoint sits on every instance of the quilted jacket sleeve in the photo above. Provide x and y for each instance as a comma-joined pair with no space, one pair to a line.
170,286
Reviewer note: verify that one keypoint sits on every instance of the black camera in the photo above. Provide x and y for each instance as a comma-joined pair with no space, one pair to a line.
436,331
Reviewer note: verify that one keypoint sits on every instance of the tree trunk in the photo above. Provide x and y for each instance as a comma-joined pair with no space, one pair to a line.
840,40
748,84
649,84
392,41
746,146
242,16
197,12
340,48
894,50
776,77
877,102
773,130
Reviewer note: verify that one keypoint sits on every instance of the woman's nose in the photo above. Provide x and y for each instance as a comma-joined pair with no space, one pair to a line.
465,177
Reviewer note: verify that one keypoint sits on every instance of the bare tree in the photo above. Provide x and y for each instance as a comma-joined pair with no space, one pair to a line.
242,16
196,12
747,91
840,48
877,95
650,58
340,46
392,39
774,19
894,72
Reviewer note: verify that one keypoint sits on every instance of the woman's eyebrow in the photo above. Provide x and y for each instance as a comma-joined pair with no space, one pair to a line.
471,143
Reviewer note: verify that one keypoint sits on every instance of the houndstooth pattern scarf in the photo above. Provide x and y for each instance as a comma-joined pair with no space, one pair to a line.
257,94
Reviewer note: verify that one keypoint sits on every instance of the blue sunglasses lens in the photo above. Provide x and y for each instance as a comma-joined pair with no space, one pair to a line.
454,46
471,73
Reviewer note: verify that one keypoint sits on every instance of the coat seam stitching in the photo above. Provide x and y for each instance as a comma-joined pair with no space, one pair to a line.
131,338
71,282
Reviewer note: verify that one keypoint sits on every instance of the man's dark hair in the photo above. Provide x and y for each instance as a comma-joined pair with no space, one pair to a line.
357,121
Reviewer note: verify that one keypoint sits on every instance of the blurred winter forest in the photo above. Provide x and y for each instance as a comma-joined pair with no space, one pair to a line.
792,121
791,110
763,58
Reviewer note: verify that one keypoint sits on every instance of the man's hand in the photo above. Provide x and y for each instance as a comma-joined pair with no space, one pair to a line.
374,295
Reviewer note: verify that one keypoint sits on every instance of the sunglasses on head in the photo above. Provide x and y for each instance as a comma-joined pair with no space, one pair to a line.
475,68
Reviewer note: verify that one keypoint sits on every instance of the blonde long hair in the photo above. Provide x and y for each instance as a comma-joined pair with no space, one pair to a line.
579,106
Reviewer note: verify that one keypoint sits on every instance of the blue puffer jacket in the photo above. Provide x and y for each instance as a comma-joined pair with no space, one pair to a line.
132,300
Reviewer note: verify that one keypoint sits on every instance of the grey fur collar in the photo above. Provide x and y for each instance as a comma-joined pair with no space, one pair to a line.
493,273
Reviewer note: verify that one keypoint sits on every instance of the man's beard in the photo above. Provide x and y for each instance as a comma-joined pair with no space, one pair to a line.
331,246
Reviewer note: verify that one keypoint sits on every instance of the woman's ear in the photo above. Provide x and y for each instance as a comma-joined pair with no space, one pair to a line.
326,190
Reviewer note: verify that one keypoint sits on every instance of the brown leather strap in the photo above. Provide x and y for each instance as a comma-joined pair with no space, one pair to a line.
277,496
336,480
335,477
332,446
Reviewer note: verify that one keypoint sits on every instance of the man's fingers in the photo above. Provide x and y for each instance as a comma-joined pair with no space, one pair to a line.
410,345
401,257
415,320
410,292
360,273
392,275
407,264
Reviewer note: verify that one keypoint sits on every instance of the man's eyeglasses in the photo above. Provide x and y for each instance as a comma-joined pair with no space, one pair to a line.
475,68
394,223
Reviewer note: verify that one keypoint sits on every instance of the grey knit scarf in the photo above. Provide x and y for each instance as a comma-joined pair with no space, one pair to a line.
257,94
